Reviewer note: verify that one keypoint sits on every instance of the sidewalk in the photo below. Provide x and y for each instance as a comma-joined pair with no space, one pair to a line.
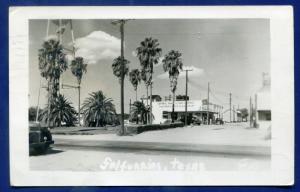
229,139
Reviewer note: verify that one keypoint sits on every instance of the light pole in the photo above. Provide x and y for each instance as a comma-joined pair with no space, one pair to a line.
186,94
208,103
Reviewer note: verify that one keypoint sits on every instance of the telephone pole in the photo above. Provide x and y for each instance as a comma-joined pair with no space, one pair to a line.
250,112
208,103
233,113
122,22
230,107
186,94
255,111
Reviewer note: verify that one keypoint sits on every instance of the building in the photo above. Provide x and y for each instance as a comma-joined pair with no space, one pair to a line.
263,111
233,116
195,108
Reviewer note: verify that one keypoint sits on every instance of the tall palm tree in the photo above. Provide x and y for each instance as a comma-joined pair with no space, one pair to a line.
120,70
117,68
98,110
61,111
148,54
135,78
172,63
78,68
52,63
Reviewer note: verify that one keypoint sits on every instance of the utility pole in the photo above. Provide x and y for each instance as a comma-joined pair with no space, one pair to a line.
255,111
186,94
230,107
122,22
250,112
208,103
150,116
233,113
129,106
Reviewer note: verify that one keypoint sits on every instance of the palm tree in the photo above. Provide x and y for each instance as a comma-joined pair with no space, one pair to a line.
135,78
120,70
61,111
117,68
148,54
78,68
52,63
172,63
138,109
98,110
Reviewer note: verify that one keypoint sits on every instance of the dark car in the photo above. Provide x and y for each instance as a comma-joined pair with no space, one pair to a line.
196,120
219,121
40,138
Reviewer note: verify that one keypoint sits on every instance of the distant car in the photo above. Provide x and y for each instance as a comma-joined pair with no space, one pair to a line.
40,138
196,120
167,121
219,121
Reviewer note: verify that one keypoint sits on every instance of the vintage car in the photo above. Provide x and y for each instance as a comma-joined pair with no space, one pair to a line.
219,121
196,120
40,138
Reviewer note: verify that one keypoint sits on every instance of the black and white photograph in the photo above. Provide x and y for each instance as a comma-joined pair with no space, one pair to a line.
139,95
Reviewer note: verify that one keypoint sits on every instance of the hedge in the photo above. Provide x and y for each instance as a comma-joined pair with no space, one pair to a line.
136,129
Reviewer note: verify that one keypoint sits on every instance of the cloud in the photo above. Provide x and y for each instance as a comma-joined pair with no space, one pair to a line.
196,72
97,46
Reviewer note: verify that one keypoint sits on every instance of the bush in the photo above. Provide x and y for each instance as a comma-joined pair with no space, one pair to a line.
136,129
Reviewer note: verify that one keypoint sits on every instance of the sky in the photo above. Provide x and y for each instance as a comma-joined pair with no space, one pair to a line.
230,54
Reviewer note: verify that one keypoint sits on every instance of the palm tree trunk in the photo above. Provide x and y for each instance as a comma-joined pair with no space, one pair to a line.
136,95
59,123
150,115
173,107
147,115
79,104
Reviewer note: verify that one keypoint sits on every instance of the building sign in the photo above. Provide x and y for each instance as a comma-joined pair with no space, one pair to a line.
180,105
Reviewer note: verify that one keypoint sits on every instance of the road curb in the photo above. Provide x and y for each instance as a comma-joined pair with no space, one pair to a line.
162,146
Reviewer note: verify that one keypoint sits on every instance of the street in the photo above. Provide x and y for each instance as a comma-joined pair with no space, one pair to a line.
83,159
233,147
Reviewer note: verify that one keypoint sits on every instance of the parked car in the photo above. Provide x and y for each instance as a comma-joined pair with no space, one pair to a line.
196,120
219,121
40,138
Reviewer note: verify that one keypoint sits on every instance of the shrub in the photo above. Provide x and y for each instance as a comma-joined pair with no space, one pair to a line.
136,129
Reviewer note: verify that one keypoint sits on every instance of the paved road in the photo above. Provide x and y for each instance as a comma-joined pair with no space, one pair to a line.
162,146
114,159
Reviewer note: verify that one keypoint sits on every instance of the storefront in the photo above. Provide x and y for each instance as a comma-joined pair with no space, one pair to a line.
195,108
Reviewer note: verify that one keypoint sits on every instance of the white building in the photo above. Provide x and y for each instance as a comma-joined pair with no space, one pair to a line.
263,112
162,110
233,117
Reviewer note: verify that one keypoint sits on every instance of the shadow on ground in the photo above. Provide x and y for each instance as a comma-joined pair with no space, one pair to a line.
50,151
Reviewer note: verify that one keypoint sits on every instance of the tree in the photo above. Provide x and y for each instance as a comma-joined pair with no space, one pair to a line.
52,63
78,68
135,78
172,63
139,111
148,54
117,67
120,70
98,110
61,111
